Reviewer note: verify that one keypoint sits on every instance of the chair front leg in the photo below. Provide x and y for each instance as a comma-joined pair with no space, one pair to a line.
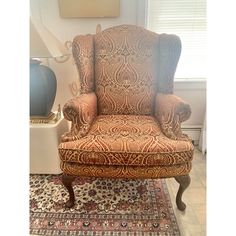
67,182
184,182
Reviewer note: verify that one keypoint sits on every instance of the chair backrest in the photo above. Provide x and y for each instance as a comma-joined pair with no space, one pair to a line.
126,66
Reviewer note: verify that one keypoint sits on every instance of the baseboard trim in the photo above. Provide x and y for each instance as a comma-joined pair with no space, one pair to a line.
193,131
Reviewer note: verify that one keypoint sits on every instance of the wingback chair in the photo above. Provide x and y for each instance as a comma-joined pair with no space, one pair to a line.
126,122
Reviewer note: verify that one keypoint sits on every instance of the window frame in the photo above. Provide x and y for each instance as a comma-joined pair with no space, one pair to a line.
142,20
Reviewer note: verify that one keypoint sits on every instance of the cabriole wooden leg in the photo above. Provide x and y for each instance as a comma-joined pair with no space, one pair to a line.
67,182
184,182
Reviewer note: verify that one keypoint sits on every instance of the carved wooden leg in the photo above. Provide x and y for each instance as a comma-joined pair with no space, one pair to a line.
67,181
184,182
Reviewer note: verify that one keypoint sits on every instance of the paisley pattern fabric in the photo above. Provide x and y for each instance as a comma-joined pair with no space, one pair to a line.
169,53
81,111
126,140
125,70
83,53
132,172
126,123
171,111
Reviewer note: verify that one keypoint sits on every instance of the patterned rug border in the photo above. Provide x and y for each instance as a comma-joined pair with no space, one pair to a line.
126,232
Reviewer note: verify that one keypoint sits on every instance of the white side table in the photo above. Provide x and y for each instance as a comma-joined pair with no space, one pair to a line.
44,141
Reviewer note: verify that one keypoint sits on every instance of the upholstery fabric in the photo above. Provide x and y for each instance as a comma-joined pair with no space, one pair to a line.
170,112
126,123
138,172
126,140
169,48
125,70
81,111
83,53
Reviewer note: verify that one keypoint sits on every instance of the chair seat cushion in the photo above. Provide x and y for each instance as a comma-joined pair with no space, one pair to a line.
125,171
126,140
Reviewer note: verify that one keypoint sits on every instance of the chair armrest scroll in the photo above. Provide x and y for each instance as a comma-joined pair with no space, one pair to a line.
170,112
81,111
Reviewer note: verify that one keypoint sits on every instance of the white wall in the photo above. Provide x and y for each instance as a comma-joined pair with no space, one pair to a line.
66,29
131,12
47,11
193,92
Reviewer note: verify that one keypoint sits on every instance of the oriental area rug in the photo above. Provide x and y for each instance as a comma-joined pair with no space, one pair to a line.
103,207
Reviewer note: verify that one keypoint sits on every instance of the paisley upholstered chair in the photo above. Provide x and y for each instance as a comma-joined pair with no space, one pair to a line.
126,122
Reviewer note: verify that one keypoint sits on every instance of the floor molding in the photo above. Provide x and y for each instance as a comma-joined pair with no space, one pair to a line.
193,131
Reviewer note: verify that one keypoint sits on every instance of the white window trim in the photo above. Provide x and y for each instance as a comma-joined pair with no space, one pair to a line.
190,84
141,17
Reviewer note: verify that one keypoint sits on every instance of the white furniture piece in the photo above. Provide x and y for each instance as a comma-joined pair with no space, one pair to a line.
44,141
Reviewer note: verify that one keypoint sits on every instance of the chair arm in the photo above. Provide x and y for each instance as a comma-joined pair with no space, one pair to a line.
170,112
81,111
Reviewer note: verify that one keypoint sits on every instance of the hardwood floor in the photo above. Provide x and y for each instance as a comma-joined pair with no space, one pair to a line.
192,222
